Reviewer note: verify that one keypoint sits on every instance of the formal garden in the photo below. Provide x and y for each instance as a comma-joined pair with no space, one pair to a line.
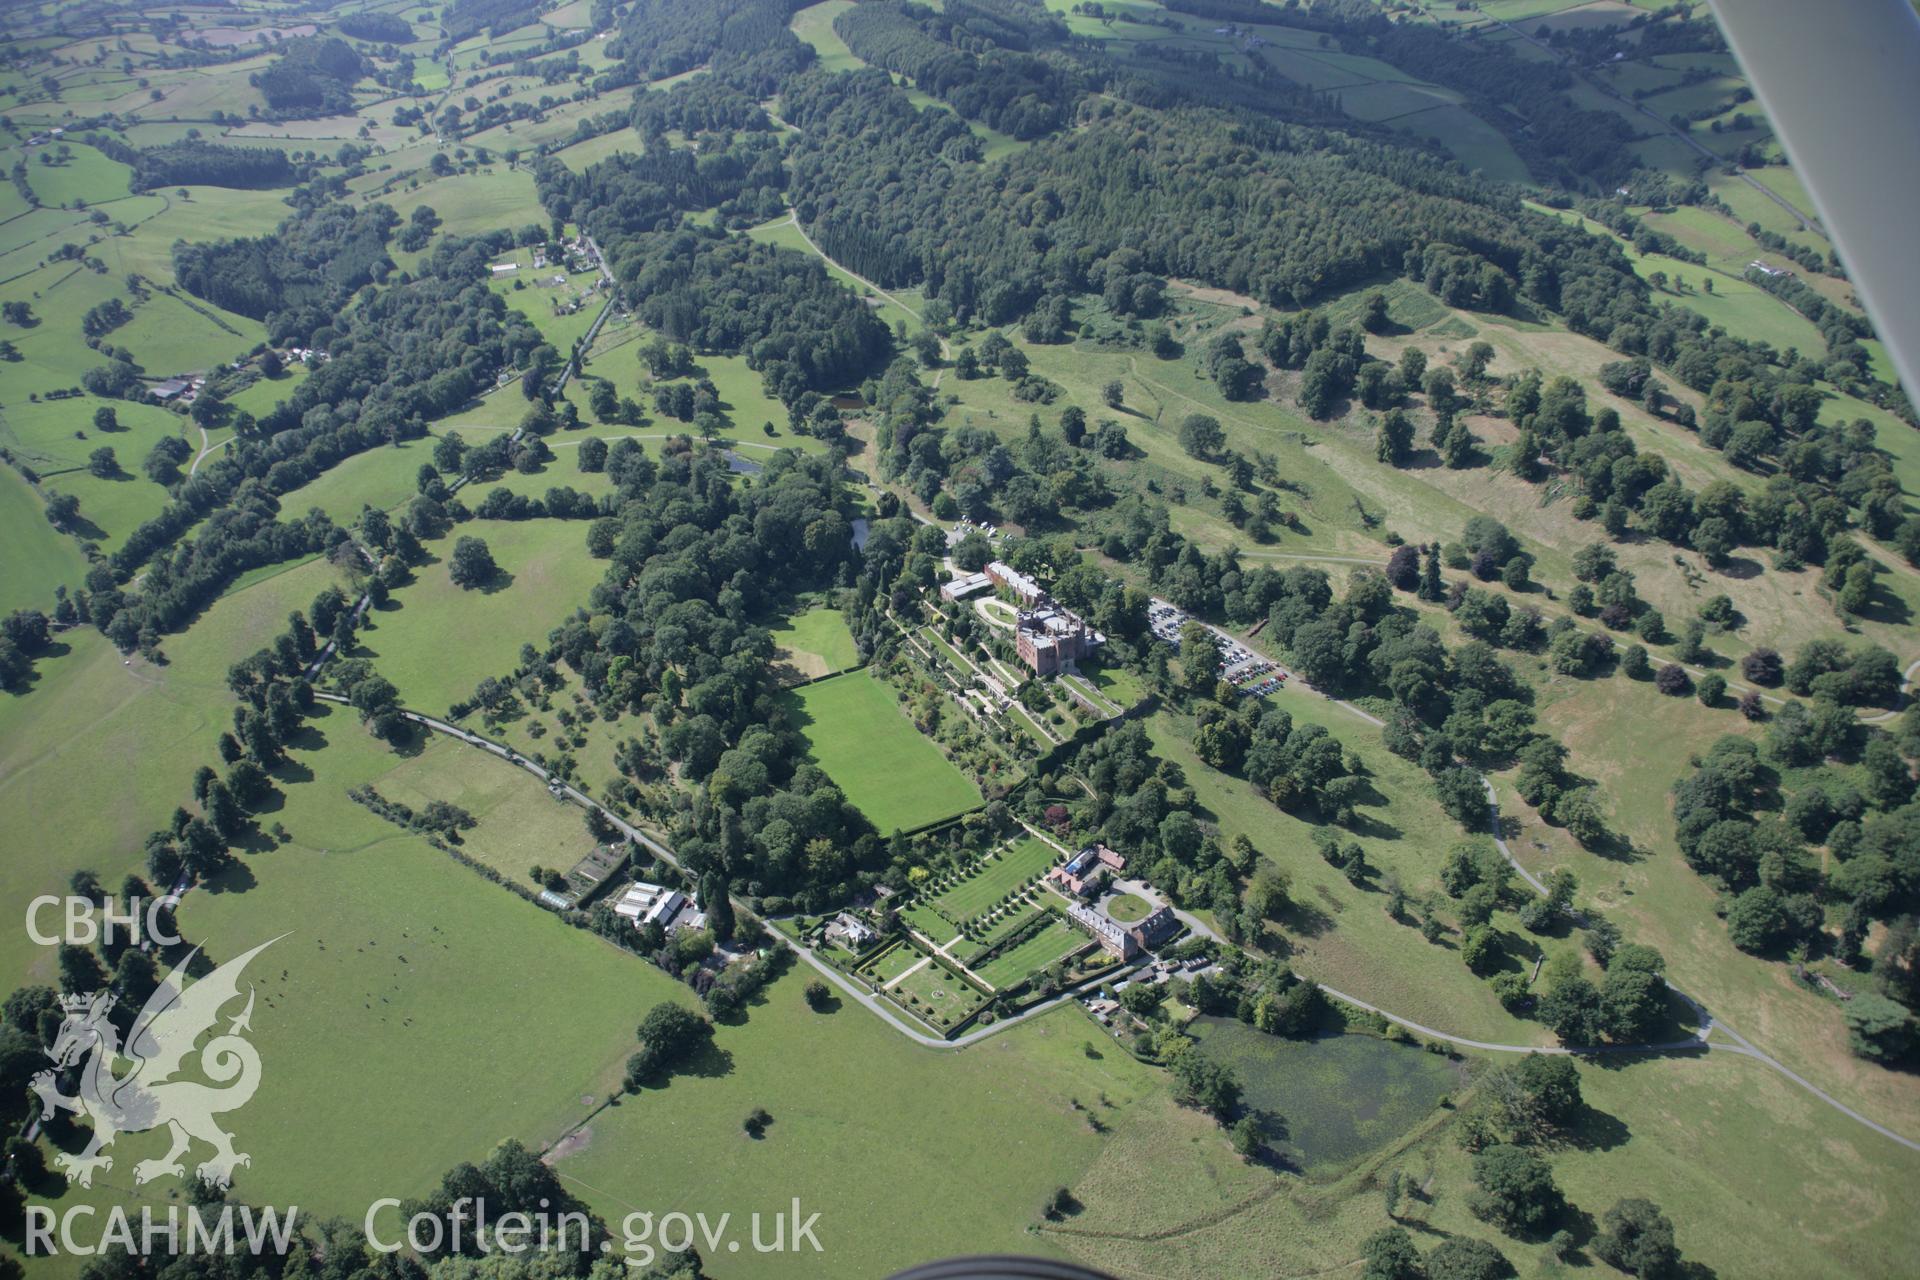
937,996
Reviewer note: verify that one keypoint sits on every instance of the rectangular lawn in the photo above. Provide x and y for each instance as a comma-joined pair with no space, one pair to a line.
817,642
866,744
1004,872
1037,952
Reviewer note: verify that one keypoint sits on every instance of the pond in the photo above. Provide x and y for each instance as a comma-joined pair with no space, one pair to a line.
1337,1097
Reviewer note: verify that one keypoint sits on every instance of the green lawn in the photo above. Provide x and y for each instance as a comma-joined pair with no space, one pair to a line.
862,738
930,922
1004,871
816,642
1117,683
518,826
893,962
936,995
435,640
39,557
407,999
110,746
1001,928
1053,941
981,1135
1127,907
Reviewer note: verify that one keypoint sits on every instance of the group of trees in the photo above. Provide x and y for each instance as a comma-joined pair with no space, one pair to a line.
313,76
968,470
379,28
974,56
464,18
628,193
797,327
1754,412
298,278
409,352
1753,818
210,164
692,561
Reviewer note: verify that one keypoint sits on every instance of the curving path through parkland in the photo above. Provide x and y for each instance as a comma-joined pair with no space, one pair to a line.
1699,1042
1705,1024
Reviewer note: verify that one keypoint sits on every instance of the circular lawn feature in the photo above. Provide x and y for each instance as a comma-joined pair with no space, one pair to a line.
1127,907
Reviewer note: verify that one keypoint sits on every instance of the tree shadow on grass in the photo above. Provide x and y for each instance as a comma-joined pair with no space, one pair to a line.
54,649
1886,608
235,877
1365,824
711,1063
1741,568
81,527
308,737
499,581
1308,920
1597,1130
288,773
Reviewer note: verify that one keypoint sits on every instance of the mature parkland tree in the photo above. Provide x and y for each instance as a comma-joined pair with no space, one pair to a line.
471,564
1514,1189
1394,443
1638,1239
668,1035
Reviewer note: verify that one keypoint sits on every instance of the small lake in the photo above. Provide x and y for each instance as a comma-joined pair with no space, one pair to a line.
1338,1096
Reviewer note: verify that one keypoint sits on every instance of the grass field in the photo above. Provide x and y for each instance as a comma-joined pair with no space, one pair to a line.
40,558
1055,940
1162,1201
814,25
1339,934
1635,743
816,642
110,747
518,826
435,640
861,737
984,1134
445,976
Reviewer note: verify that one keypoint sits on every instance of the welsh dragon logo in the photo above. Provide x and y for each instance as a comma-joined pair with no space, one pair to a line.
160,1042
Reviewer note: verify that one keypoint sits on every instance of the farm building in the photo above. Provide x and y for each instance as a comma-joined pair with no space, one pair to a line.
1087,870
645,903
960,588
